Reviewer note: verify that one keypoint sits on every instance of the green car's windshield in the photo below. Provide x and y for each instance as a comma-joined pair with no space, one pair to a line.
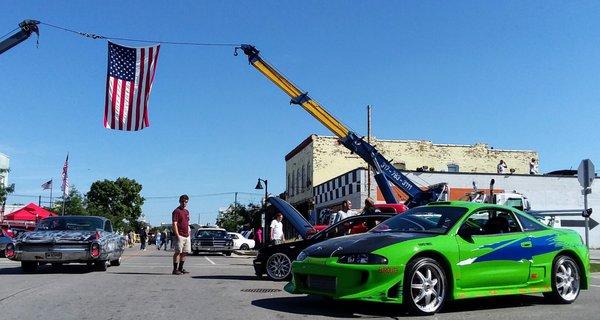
429,219
71,223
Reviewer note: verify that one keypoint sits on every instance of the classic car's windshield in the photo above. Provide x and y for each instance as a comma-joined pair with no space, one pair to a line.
430,219
71,223
211,234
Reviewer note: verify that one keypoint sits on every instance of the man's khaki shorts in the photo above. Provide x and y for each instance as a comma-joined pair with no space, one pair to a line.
183,244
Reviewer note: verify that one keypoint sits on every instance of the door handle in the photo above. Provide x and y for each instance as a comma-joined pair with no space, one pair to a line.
526,244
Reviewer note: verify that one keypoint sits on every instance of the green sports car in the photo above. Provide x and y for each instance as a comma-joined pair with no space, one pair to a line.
446,250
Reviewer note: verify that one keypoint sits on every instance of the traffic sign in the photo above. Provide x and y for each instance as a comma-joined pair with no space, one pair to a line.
586,173
579,223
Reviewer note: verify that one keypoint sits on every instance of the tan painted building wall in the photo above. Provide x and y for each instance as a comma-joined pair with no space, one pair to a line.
321,158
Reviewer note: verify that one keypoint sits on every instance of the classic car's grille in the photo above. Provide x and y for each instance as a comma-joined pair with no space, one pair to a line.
34,247
321,283
212,242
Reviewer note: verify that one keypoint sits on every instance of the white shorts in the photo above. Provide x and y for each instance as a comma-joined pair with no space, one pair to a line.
183,244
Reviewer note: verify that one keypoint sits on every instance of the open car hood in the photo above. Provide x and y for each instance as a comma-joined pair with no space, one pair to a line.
300,224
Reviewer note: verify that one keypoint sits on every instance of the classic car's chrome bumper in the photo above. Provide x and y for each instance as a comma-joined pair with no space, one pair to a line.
57,253
198,247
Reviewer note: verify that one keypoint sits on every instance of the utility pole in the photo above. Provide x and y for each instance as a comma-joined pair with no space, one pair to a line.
369,141
235,201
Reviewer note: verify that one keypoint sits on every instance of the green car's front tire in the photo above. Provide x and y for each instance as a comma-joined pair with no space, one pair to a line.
425,286
566,280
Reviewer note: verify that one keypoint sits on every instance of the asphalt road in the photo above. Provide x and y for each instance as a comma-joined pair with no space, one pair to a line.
217,288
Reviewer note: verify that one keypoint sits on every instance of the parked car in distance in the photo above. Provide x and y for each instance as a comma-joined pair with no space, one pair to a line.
447,250
4,240
240,242
212,239
276,260
68,239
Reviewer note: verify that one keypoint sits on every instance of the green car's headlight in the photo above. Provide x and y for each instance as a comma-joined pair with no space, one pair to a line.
363,258
301,256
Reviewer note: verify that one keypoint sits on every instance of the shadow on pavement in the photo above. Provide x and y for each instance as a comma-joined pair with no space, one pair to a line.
145,273
228,277
315,305
49,269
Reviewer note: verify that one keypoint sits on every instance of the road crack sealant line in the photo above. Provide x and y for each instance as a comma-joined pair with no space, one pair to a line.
25,290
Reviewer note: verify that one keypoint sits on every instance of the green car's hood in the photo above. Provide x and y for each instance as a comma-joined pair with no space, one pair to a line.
360,243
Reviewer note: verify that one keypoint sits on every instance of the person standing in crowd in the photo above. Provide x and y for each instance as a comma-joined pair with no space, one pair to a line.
502,167
181,235
533,167
143,238
369,206
345,212
163,237
277,236
259,237
157,239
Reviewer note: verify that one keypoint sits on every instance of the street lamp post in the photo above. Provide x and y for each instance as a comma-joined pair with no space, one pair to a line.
264,211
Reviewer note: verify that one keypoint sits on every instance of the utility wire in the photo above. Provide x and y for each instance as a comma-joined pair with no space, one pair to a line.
97,36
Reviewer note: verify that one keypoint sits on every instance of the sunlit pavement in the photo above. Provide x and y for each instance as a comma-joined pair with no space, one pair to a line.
220,287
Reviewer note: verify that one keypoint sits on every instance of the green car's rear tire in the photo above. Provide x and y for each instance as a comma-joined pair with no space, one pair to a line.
566,281
425,286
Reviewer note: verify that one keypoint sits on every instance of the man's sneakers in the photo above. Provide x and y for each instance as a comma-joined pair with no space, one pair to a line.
178,272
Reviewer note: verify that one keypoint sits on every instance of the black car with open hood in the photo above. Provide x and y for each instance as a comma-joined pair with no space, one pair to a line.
276,260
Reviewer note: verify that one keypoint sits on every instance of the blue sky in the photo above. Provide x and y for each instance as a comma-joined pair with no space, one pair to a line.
513,74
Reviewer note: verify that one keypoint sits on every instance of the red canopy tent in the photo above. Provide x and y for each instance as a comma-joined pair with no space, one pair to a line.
31,212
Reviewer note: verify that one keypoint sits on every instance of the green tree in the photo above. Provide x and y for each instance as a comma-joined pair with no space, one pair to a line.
120,201
5,191
74,203
235,216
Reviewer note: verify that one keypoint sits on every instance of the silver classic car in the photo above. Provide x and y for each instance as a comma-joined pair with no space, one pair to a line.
68,239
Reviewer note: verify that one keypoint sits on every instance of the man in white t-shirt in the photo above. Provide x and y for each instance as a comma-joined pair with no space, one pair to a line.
345,212
277,236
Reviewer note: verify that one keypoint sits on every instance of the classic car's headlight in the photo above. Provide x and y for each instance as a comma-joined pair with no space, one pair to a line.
301,256
363,258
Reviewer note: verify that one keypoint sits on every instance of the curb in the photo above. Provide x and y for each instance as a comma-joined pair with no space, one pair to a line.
251,253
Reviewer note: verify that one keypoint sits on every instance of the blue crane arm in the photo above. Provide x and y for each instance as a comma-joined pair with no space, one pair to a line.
27,28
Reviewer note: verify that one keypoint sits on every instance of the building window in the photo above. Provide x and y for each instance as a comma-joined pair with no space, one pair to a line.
453,167
292,184
400,165
298,181
289,187
303,185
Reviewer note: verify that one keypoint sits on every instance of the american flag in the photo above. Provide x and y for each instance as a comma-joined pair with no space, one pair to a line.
47,185
128,85
65,177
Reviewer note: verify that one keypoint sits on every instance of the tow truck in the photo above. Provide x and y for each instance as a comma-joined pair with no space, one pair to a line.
27,27
385,172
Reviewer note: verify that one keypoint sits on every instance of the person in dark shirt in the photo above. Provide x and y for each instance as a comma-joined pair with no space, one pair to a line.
181,235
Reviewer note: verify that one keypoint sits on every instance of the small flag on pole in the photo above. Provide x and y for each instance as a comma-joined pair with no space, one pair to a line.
47,185
65,177
128,85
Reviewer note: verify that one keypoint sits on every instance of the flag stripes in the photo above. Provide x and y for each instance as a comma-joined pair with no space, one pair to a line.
129,83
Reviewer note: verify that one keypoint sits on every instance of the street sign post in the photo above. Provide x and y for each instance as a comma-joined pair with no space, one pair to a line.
586,174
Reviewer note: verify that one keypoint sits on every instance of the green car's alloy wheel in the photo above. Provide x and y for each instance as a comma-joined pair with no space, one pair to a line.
279,266
565,280
424,286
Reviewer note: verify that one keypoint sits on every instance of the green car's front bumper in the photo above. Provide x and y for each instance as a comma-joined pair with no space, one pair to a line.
327,277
